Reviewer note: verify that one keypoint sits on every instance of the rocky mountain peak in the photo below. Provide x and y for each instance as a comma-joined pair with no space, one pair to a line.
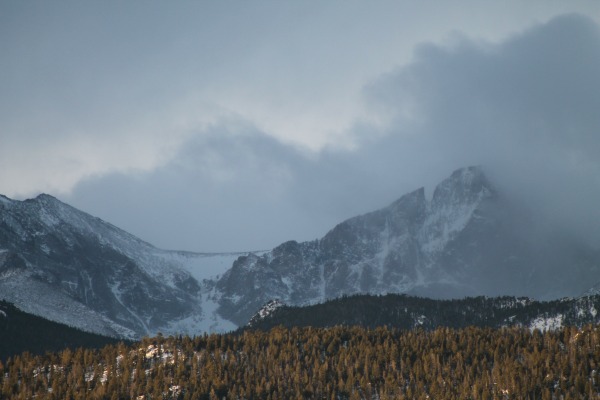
5,201
46,198
466,241
454,202
394,249
465,185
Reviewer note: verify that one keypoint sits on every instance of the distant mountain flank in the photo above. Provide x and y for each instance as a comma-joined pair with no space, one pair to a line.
469,239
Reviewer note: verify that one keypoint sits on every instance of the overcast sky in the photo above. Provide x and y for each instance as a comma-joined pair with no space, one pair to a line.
225,126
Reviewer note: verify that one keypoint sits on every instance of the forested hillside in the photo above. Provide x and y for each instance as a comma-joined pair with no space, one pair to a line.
407,312
20,331
312,363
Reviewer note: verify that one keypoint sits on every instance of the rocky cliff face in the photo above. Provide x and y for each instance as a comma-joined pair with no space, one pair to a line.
467,240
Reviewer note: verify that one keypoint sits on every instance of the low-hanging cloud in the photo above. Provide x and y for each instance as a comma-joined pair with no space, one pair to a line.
526,109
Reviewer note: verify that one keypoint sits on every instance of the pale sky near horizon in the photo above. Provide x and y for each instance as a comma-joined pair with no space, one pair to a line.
226,126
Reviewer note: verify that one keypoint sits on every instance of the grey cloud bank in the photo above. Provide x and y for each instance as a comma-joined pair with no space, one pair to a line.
526,109
210,127
90,89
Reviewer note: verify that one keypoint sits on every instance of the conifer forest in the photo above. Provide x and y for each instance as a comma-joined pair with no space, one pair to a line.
320,363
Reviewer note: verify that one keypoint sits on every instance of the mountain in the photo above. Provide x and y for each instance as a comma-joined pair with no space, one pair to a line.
409,312
467,240
70,267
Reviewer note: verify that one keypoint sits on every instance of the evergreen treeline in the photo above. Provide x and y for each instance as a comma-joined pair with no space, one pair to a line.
20,331
315,363
407,312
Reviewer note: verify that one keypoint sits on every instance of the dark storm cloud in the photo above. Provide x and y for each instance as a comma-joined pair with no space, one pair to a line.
526,109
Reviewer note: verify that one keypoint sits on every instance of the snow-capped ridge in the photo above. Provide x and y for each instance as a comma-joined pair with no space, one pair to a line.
95,276
265,311
5,200
465,241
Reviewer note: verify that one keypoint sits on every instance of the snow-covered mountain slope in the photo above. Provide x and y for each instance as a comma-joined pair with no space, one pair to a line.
467,240
63,264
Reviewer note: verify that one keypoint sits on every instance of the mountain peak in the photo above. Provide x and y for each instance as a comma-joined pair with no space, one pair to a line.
45,197
5,200
472,176
469,172
465,185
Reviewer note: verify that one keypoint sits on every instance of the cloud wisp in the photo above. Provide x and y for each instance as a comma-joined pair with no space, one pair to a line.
525,108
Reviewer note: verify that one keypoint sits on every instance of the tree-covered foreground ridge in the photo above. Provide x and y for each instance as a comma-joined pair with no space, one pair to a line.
311,363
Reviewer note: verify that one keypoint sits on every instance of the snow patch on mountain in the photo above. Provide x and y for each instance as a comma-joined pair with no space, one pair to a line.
549,323
265,311
211,321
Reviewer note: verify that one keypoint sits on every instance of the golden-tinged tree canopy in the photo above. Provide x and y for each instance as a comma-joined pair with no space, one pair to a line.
334,363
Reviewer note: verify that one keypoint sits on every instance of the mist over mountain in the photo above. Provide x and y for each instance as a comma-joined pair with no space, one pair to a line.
467,239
